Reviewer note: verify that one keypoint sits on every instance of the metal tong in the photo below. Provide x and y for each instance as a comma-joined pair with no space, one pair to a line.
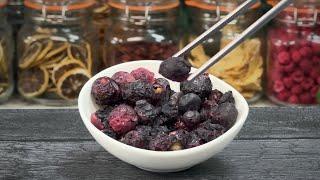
223,22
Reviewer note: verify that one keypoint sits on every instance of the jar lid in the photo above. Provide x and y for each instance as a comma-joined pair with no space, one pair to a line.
15,2
58,5
221,5
143,5
3,3
302,6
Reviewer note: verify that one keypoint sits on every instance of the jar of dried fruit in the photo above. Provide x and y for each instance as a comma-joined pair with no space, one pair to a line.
243,67
6,54
101,20
15,13
141,30
56,47
294,54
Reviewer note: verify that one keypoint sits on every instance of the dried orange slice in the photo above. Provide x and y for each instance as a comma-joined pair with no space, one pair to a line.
47,45
55,59
70,84
78,52
33,82
30,55
57,48
64,67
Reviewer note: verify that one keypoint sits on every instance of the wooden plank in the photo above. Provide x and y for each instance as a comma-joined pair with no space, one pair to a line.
53,124
243,159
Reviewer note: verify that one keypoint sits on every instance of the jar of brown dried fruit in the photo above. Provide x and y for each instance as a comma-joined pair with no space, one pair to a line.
141,30
57,50
243,67
6,54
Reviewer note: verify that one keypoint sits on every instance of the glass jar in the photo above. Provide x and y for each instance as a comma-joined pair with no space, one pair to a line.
6,54
15,13
57,50
294,54
141,30
243,67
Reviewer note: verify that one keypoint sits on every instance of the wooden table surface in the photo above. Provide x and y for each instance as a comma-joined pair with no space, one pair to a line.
275,143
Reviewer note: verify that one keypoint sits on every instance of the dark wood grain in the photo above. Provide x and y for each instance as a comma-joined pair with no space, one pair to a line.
243,159
262,123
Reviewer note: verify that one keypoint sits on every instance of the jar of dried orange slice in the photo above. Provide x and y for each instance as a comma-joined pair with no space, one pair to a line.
243,67
6,54
56,47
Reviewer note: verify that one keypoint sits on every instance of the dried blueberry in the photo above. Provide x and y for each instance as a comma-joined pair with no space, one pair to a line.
135,138
209,110
175,68
180,125
122,77
194,140
106,91
189,102
174,98
161,120
143,74
162,90
201,86
146,111
123,119
226,115
191,118
170,109
161,142
159,130
208,131
179,136
138,90
215,95
227,97
100,118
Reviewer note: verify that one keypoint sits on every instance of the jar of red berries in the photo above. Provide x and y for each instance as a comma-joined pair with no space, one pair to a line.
294,54
141,30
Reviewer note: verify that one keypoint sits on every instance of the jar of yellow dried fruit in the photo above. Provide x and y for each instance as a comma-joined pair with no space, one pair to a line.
6,54
56,47
243,67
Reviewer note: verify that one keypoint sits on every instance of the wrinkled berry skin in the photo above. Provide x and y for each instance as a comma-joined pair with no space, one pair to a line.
215,96
194,140
162,91
123,77
227,97
179,136
208,131
135,138
143,75
136,91
226,115
189,102
201,86
123,119
106,91
161,142
170,109
100,118
175,69
191,118
146,111
161,120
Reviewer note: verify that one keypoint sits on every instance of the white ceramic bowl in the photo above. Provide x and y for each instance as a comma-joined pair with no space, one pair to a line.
171,161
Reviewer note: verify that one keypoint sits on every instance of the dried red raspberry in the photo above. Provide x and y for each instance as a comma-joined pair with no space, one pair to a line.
314,73
288,82
315,47
305,65
305,31
314,91
293,99
305,51
122,77
298,76
318,80
278,86
296,89
304,42
105,91
96,121
283,95
123,119
284,58
143,74
289,68
296,56
307,84
316,60
306,98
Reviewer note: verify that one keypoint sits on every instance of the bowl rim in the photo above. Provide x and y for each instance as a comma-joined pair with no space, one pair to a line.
236,127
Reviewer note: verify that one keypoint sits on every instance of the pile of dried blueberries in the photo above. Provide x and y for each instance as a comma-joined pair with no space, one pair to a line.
143,111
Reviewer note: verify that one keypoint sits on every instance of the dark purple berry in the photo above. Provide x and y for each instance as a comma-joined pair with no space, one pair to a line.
189,102
109,132
106,91
227,97
179,136
100,118
122,77
170,109
161,120
175,68
143,75
159,130
201,86
208,131
209,110
123,119
226,115
146,111
191,118
215,95
174,98
138,90
161,142
194,140
180,125
135,138
162,91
